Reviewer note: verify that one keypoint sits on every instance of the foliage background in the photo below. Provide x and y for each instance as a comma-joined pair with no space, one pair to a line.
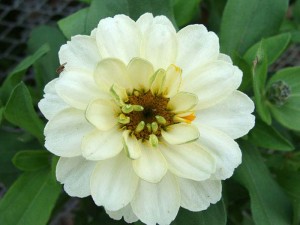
265,189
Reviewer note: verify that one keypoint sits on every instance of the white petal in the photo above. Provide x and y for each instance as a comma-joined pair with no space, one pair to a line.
94,32
225,58
75,174
118,37
172,81
225,150
80,53
159,46
77,88
125,212
102,114
157,203
65,131
198,195
144,22
180,133
182,102
163,20
232,115
139,71
151,166
157,82
113,183
189,161
196,47
213,83
51,104
100,145
131,145
111,71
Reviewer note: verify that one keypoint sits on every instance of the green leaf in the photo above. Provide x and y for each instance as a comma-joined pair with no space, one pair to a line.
215,9
17,74
269,205
11,142
245,22
30,200
46,66
247,72
133,8
290,181
31,160
288,114
1,114
272,139
296,11
214,215
274,47
259,70
20,112
85,1
185,11
295,39
102,9
156,7
74,24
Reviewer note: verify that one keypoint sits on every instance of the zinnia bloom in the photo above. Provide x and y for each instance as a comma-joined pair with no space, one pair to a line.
144,118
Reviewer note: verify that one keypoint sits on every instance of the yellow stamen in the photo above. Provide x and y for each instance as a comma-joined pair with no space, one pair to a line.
186,118
153,140
123,119
140,127
190,117
154,127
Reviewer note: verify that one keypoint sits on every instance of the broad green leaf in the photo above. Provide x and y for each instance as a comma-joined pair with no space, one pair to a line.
287,25
156,7
133,8
295,38
272,139
17,74
214,215
215,9
185,11
290,181
269,205
30,199
1,114
85,1
31,160
20,112
74,24
102,9
46,66
240,62
274,47
259,70
245,22
288,114
11,142
296,12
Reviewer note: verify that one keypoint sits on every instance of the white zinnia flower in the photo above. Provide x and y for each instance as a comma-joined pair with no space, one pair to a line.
144,118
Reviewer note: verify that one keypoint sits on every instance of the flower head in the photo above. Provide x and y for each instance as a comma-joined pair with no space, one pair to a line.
144,118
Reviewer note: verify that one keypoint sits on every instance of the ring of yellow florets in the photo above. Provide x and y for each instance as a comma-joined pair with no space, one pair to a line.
146,114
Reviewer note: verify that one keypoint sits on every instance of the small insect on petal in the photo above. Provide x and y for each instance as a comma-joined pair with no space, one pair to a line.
61,68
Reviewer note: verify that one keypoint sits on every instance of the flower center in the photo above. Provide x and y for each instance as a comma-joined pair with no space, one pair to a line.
153,117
